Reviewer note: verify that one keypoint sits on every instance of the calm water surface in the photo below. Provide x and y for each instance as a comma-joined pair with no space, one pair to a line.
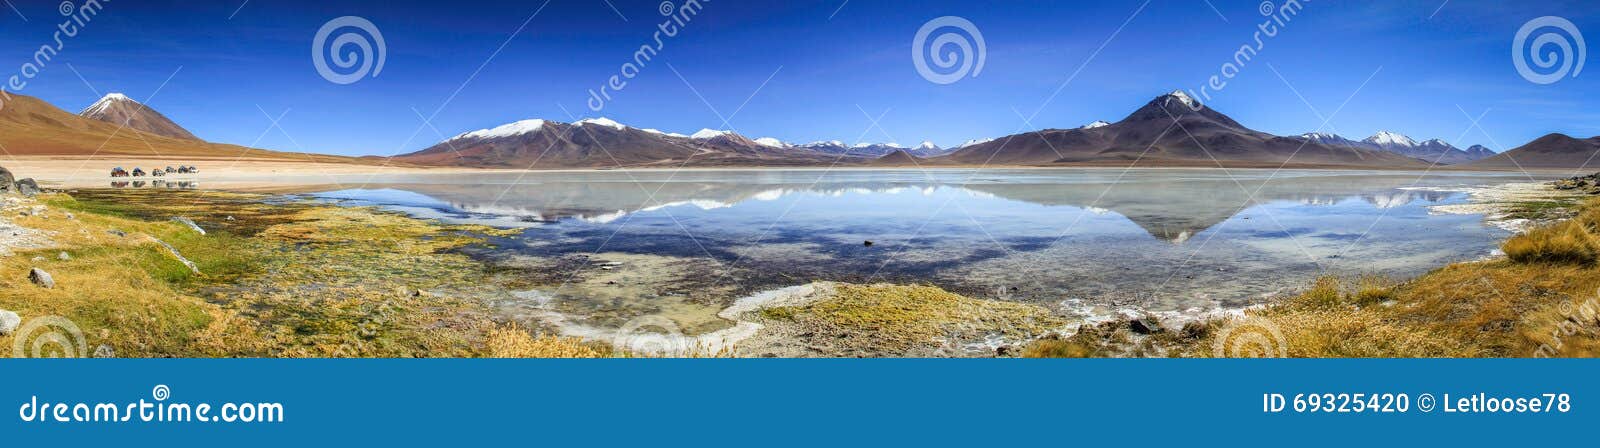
1159,239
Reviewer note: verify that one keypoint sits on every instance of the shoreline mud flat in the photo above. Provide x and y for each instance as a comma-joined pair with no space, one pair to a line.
1514,207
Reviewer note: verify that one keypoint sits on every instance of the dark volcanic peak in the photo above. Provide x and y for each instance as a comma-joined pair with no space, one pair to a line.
1171,129
1552,151
898,158
118,109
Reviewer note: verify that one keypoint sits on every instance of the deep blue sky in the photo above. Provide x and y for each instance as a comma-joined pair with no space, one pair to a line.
832,68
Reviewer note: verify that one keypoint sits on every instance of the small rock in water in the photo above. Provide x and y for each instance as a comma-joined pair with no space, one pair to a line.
8,322
104,351
1145,325
41,278
867,243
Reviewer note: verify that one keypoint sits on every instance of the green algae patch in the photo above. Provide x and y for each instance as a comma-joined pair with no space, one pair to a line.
899,320
269,277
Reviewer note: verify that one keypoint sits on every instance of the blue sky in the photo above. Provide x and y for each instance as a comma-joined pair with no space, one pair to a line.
830,68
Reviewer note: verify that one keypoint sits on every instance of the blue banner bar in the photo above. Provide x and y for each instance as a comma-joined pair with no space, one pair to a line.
797,402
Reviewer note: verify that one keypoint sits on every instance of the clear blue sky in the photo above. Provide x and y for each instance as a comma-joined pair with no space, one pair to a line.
835,62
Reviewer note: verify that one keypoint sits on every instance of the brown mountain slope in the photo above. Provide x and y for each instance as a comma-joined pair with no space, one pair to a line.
120,110
897,158
1553,151
31,127
1168,132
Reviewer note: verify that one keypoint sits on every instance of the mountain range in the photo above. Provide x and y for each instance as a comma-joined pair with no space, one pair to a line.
1431,151
1169,130
1172,130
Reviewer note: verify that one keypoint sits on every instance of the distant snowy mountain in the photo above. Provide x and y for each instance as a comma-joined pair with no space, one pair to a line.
1432,151
1096,124
118,109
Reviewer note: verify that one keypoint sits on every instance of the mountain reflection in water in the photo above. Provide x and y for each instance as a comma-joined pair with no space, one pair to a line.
1158,238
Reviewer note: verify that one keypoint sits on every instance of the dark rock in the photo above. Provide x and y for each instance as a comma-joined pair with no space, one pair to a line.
1145,325
1002,351
104,351
1585,184
27,187
867,243
117,232
41,278
7,182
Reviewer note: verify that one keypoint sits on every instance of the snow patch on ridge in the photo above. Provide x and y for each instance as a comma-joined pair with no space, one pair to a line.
505,130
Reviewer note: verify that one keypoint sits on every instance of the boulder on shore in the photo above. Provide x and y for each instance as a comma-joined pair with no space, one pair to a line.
7,182
9,322
27,187
41,278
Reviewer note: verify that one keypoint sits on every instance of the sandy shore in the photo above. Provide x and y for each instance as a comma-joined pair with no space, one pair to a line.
83,172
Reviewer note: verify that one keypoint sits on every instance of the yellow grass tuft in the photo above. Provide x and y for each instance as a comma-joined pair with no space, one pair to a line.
510,341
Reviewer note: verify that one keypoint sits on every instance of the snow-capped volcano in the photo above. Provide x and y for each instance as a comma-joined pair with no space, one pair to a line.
928,146
1096,124
119,109
1183,98
771,142
1386,138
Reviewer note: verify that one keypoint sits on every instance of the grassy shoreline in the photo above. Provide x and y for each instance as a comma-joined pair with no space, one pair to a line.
1540,300
283,278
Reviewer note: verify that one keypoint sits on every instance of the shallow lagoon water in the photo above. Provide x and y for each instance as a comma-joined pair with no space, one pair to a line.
1155,239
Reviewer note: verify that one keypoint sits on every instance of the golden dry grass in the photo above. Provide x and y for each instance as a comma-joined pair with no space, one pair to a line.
278,280
514,342
1542,300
